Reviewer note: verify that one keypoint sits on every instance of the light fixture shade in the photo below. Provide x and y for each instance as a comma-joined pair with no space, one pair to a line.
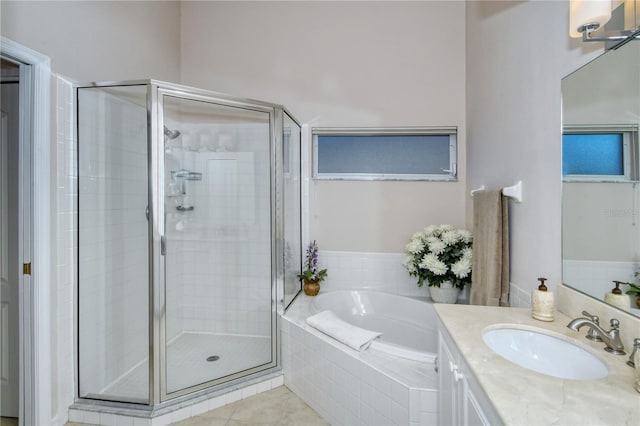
582,12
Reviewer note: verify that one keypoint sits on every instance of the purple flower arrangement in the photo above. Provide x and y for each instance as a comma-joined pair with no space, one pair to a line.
311,272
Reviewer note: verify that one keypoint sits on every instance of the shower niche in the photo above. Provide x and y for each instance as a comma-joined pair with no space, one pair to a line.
189,239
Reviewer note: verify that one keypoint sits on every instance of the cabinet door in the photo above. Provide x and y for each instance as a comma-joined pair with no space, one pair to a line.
448,395
461,400
473,414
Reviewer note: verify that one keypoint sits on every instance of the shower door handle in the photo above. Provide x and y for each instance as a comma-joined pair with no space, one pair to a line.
163,245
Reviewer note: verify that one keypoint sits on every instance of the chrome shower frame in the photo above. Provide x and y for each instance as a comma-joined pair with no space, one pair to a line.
159,398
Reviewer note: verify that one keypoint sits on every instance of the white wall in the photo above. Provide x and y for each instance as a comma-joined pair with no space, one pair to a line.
605,92
345,64
517,54
98,41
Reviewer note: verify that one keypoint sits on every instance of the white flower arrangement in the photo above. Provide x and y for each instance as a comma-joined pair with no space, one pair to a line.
440,253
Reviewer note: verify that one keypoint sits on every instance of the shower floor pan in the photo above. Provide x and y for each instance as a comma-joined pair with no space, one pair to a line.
191,361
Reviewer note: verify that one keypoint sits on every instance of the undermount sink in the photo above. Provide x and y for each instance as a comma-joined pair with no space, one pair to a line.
544,353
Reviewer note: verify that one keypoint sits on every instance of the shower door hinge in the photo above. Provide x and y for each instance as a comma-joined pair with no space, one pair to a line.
26,268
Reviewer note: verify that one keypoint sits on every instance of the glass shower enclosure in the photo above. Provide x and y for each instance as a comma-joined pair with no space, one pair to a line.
189,239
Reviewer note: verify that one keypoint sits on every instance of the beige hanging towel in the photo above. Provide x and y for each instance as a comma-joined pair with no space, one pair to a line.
490,273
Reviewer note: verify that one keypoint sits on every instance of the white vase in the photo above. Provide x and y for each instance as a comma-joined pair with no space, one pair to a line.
446,293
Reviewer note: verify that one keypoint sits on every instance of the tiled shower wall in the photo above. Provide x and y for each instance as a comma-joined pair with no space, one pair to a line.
218,254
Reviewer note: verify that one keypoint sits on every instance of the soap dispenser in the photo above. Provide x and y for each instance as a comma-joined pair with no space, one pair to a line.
617,299
542,302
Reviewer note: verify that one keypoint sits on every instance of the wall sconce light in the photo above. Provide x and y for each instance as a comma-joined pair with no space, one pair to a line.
588,17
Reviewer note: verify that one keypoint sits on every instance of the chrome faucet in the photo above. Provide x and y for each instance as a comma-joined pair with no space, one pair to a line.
610,338
592,334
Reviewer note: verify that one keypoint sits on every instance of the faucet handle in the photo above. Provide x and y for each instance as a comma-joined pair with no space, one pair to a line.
592,334
615,324
636,347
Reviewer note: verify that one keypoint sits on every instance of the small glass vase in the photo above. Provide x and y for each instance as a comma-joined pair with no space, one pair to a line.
446,293
311,288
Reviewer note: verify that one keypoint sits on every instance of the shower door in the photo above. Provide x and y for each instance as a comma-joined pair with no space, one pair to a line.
113,243
216,223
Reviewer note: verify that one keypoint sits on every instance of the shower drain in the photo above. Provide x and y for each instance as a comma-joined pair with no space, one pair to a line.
213,358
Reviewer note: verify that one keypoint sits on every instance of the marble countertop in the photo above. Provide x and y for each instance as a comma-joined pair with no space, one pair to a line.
523,397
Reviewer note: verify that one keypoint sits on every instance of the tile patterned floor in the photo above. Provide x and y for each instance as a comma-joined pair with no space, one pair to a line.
277,407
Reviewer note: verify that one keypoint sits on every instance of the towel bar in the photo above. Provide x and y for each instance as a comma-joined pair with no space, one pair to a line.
513,191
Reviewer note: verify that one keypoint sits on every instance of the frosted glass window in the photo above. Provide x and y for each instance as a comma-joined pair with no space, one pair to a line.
593,154
385,156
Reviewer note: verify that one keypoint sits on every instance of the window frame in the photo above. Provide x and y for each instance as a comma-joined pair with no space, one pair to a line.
629,134
450,131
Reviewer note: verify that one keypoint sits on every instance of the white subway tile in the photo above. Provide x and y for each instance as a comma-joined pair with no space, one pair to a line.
381,419
180,414
367,374
400,394
108,419
163,420
217,402
249,391
141,421
351,419
367,394
429,419
383,383
382,403
123,420
277,381
429,401
399,414
76,416
199,408
266,385
367,414
90,417
414,405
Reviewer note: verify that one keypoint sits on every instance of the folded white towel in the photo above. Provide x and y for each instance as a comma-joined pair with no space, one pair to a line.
352,336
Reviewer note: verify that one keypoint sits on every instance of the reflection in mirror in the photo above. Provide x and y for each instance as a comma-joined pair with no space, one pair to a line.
601,195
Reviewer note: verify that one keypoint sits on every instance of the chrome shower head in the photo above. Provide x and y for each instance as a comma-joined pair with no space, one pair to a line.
171,134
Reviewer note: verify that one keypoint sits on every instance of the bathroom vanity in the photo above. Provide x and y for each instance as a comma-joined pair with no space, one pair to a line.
462,401
478,386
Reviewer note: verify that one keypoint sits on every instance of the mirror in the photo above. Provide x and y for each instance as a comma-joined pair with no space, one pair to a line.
601,187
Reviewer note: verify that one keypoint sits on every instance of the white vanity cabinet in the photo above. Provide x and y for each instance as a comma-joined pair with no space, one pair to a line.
461,400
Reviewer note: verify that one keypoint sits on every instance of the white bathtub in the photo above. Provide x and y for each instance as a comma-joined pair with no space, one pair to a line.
408,326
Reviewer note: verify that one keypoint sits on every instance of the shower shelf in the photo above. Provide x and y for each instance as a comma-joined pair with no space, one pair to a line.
186,174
